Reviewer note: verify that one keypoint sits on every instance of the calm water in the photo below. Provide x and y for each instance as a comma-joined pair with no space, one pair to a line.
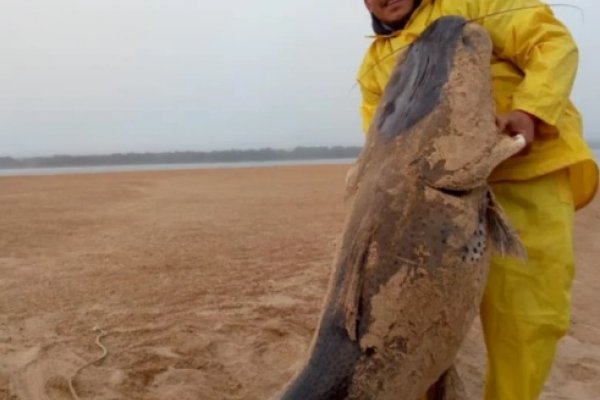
164,167
167,167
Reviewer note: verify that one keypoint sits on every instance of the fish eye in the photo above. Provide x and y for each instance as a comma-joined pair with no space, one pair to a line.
467,42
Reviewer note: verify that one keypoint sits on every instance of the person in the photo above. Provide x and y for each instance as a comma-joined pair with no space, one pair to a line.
526,306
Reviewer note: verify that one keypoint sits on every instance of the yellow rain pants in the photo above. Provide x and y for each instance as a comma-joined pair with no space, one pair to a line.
526,306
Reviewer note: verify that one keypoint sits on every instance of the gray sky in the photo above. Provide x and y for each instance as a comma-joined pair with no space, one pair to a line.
100,76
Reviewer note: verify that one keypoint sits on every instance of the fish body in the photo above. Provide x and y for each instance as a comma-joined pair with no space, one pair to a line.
412,264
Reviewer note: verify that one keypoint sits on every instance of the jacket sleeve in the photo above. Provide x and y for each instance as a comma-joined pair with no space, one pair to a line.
370,91
542,48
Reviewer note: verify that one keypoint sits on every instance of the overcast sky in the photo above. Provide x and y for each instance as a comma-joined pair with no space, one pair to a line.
102,76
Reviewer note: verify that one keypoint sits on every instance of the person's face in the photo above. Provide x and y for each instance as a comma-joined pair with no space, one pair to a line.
390,11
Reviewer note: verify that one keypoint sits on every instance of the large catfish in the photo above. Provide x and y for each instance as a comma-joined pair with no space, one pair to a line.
411,268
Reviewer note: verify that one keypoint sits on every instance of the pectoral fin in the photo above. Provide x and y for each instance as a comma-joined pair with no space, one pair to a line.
502,234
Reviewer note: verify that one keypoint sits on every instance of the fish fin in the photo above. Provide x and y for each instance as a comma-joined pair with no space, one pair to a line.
351,300
502,234
352,290
351,184
356,170
351,314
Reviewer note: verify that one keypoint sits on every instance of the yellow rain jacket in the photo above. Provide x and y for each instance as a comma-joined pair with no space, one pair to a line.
533,68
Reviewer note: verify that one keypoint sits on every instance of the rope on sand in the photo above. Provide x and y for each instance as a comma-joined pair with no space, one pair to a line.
101,334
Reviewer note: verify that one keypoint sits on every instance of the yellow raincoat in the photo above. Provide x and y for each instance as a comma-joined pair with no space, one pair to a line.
533,69
526,308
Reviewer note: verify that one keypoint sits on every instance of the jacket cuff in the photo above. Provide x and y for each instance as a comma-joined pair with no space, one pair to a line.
544,129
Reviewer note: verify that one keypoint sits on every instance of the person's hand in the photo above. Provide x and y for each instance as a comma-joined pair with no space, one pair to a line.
517,123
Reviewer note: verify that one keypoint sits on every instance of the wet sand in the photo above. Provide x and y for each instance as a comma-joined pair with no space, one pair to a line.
207,282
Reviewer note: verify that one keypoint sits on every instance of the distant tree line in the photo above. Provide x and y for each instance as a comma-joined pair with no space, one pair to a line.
183,157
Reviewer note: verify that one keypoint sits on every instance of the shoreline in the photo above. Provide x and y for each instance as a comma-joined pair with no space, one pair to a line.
85,170
157,167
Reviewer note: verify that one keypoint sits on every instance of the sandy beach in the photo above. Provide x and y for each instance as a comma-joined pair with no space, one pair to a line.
208,284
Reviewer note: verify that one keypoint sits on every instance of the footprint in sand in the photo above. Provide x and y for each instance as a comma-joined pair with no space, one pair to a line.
585,370
19,359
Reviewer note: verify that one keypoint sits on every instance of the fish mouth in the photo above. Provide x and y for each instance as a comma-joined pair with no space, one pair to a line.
455,192
476,172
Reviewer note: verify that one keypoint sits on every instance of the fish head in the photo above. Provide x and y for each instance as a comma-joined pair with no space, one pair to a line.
438,108
462,153
436,124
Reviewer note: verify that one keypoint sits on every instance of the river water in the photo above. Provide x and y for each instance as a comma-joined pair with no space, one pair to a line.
165,167
168,167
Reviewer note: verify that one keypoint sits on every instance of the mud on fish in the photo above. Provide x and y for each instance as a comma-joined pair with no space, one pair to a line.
412,265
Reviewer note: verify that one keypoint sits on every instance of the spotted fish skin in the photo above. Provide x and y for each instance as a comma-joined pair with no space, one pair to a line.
412,264
476,247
